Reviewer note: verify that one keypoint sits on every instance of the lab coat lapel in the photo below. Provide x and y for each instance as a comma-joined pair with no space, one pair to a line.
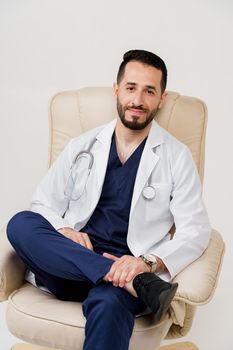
148,162
102,150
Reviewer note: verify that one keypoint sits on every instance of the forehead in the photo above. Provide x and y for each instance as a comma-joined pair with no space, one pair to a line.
142,74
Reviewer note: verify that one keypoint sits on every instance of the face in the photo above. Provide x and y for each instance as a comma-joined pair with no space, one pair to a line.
139,95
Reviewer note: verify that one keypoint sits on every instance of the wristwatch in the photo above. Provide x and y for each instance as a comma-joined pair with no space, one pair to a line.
150,260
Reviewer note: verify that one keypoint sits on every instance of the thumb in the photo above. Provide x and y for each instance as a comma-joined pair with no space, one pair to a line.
110,256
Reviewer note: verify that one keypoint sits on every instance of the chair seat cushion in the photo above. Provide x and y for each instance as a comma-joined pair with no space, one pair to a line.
39,318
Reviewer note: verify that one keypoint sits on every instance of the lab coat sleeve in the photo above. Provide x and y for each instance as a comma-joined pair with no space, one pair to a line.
190,217
48,199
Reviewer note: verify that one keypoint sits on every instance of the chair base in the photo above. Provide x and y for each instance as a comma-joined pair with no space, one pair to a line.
177,346
24,346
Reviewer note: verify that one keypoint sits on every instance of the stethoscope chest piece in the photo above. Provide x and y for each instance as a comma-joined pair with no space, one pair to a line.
149,192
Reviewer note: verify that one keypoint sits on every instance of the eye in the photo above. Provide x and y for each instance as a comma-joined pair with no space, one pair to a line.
150,92
130,88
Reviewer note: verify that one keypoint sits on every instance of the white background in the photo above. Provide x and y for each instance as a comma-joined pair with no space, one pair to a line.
52,45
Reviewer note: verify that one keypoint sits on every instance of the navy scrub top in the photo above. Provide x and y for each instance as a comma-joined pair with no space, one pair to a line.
108,225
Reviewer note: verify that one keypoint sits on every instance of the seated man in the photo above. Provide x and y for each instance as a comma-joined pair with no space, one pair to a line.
98,229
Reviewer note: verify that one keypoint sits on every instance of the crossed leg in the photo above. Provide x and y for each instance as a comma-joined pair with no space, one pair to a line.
72,272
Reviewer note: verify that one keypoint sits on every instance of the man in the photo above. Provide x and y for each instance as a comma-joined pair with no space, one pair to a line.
99,227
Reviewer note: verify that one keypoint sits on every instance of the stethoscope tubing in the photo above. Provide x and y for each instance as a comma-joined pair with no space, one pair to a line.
148,192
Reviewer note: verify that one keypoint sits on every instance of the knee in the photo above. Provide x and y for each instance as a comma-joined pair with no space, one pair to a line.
16,225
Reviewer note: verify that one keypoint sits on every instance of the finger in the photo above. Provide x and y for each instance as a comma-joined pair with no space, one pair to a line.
72,236
111,272
110,256
81,241
120,265
131,276
116,277
87,241
115,266
122,278
121,268
76,239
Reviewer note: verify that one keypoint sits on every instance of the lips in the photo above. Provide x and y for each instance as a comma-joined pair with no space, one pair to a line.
137,111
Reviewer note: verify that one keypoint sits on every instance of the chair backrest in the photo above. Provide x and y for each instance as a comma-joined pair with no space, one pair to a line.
74,112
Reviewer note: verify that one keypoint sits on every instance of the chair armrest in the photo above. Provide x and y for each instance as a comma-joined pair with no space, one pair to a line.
12,269
197,282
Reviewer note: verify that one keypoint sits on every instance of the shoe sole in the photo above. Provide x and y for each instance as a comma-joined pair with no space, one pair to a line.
165,300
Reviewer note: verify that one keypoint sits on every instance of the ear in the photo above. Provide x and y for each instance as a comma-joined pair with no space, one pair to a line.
115,89
162,100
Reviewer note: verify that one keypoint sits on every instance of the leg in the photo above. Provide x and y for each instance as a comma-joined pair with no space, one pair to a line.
46,251
54,258
63,289
110,317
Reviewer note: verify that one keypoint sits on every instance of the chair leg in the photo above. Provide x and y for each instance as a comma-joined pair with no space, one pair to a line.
24,346
179,346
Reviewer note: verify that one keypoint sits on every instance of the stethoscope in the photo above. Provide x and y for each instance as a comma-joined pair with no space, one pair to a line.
149,191
74,189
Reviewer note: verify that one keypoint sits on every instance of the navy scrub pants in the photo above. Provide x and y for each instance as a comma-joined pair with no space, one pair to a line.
72,272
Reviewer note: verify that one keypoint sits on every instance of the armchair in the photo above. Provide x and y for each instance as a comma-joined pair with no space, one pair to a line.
39,318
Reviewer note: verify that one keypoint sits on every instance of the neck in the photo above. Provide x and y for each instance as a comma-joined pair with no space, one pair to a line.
127,140
127,136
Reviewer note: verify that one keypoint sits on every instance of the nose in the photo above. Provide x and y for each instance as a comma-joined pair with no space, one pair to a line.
137,99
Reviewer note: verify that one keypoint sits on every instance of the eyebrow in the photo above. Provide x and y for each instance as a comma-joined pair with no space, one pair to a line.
147,86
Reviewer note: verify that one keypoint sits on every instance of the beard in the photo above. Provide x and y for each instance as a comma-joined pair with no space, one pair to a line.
135,124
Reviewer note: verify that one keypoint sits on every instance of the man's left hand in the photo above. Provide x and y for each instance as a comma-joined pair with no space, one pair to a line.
124,269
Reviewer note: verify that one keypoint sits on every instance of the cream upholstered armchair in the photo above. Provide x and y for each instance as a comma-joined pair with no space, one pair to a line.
39,318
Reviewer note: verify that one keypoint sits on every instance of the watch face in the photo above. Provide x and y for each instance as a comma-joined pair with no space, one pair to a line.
151,258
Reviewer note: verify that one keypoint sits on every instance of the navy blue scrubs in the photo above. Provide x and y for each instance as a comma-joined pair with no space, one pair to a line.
108,225
73,272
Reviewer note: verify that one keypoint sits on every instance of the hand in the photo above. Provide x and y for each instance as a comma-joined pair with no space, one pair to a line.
124,269
78,237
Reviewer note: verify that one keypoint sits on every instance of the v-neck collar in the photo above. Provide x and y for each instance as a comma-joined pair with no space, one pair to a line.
137,152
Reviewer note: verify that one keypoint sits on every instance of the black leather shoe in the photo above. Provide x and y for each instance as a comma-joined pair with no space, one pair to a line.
154,292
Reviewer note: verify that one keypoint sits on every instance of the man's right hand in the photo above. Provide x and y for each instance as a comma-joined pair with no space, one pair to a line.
78,237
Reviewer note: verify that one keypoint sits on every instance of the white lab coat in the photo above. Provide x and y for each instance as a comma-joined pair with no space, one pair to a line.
177,199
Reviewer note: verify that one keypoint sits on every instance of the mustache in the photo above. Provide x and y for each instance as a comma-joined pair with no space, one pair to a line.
140,108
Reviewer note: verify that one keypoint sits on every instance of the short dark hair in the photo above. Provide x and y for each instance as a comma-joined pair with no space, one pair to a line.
147,58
